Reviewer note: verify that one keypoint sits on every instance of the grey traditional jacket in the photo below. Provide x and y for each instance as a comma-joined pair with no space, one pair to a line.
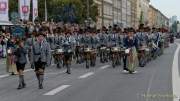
42,51
20,54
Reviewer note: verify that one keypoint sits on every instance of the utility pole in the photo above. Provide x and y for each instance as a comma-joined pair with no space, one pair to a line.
88,15
87,8
102,10
45,3
113,7
121,14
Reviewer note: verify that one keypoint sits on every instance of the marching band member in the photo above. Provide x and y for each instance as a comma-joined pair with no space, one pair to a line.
67,52
21,60
156,40
142,39
131,44
114,38
42,55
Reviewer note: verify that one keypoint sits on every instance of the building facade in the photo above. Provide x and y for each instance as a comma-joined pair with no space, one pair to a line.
105,11
134,21
157,18
152,16
117,15
114,12
129,13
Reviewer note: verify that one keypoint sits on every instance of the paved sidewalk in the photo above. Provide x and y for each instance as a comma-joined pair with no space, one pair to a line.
3,66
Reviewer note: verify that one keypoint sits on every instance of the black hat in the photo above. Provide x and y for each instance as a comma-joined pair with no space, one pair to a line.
131,30
141,26
40,33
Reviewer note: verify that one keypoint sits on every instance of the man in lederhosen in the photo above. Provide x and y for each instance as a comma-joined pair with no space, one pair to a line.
142,39
41,54
67,52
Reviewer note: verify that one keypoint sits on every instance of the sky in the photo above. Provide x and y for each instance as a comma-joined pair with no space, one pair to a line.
168,7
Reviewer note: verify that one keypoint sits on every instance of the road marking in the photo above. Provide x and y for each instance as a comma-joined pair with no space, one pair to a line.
3,76
57,90
175,75
7,75
104,67
150,84
86,75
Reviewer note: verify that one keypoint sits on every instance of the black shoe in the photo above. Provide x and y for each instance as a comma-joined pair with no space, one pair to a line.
40,86
19,87
87,67
23,85
12,73
68,72
126,69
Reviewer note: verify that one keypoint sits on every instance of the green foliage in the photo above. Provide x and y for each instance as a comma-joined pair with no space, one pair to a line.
55,9
13,6
93,10
141,20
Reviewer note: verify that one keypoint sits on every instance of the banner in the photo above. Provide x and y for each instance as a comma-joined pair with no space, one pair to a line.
4,15
35,9
24,9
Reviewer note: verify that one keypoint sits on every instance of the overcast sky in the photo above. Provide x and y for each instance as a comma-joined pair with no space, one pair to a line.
168,7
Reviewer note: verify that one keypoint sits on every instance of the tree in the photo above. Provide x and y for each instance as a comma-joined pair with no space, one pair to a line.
13,6
93,11
141,20
69,10
77,9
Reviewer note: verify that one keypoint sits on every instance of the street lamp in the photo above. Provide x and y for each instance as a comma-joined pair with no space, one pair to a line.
45,3
102,10
87,8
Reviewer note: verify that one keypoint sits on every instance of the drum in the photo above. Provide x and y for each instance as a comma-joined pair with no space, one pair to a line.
127,51
58,57
115,56
102,48
60,51
115,49
87,50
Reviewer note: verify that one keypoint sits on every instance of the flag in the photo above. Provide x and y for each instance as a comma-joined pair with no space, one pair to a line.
35,9
4,10
24,9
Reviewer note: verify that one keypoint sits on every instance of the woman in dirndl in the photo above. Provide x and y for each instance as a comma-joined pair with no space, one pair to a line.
130,59
10,61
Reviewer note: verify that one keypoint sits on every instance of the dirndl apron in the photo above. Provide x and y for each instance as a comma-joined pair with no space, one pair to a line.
132,60
10,63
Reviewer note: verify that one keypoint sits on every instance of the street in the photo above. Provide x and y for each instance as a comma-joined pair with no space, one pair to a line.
101,83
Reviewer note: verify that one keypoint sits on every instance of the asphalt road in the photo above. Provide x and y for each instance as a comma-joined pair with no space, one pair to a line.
101,83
